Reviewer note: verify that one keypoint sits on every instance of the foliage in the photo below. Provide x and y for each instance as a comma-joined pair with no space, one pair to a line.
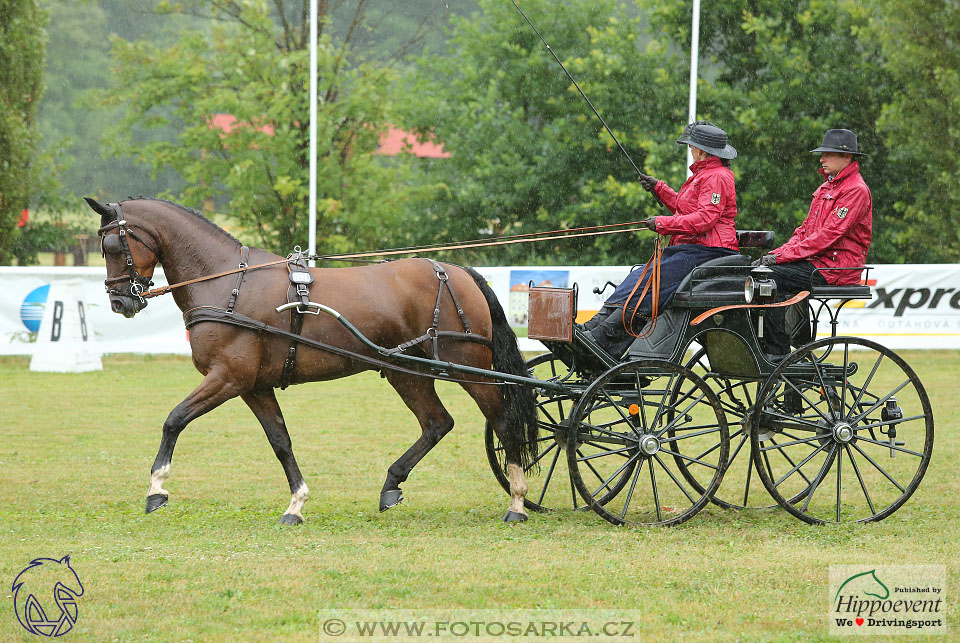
250,61
527,154
22,43
921,123
77,76
776,75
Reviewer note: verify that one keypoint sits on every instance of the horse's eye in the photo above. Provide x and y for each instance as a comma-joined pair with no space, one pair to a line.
111,244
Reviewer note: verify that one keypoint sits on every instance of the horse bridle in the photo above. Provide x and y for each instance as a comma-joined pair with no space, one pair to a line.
138,283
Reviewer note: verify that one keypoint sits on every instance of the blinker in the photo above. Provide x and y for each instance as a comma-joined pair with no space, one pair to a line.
111,244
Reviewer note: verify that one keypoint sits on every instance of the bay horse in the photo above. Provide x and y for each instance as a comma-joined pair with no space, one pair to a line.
390,303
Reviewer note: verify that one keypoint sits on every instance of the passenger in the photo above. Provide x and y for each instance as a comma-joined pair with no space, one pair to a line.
835,234
702,226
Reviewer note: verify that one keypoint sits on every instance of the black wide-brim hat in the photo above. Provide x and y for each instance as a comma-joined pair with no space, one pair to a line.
842,141
709,138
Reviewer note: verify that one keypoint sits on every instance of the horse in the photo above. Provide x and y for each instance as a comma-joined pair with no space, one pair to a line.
245,348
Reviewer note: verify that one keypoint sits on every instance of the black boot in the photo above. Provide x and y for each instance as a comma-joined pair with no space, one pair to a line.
598,319
611,336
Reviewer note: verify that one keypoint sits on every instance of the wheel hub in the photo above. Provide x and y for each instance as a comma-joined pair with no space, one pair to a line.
649,444
843,432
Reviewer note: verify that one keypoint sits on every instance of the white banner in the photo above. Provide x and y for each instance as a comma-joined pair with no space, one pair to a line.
913,306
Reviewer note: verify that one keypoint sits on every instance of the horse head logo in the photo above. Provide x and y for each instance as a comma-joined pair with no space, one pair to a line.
33,588
865,583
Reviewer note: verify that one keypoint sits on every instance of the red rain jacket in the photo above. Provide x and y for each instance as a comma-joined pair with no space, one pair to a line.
704,208
837,230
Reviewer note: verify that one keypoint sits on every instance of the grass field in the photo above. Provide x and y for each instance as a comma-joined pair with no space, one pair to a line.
214,565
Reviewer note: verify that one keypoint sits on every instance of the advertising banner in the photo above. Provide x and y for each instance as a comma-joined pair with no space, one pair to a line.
913,306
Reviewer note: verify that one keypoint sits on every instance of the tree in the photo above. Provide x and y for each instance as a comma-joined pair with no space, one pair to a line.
921,124
22,42
776,74
527,154
250,65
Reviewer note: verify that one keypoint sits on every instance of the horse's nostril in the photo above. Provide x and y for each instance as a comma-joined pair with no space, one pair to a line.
116,305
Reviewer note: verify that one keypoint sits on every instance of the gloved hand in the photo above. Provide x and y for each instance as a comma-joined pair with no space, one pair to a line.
766,260
648,182
650,223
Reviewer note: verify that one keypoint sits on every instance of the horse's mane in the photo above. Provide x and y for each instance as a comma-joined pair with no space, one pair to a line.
195,213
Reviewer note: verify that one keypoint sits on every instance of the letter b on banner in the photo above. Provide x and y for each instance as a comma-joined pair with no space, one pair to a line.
65,341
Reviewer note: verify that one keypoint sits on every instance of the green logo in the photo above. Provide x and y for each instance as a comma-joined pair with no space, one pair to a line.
872,574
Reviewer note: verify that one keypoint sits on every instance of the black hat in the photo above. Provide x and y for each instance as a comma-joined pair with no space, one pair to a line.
842,141
709,138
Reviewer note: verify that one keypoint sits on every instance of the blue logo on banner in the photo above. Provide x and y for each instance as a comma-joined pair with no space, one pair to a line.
45,596
31,310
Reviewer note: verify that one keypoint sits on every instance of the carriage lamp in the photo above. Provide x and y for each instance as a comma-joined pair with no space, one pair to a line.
760,286
890,412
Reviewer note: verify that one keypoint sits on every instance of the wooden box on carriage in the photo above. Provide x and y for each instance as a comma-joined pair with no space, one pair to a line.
550,313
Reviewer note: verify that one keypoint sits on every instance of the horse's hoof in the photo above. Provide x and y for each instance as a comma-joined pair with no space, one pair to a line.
513,516
156,501
390,499
290,519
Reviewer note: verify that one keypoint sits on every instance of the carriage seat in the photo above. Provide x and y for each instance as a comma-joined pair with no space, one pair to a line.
841,292
720,281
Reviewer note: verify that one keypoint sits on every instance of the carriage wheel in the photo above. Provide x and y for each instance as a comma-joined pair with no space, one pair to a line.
624,422
548,478
740,489
857,425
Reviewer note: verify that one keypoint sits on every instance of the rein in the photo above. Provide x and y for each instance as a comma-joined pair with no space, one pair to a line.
477,243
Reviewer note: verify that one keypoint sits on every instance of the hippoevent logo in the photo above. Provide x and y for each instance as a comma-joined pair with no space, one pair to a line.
892,599
45,596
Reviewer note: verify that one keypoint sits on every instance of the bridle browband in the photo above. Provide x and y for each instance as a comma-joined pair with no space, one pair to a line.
138,283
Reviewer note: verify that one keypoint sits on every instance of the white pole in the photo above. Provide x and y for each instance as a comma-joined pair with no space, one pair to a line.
313,130
694,51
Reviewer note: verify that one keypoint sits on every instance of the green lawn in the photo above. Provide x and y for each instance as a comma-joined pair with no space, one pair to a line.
75,457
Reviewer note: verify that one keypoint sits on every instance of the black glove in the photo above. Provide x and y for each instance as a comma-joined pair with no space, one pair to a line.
766,260
650,223
648,182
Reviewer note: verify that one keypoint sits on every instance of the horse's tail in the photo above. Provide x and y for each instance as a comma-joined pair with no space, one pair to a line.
520,427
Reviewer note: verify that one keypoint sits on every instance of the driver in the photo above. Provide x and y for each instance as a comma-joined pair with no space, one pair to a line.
702,226
834,236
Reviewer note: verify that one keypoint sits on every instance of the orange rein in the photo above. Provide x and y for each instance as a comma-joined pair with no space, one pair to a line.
653,286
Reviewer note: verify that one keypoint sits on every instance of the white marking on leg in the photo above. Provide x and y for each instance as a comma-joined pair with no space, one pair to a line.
518,488
157,478
297,500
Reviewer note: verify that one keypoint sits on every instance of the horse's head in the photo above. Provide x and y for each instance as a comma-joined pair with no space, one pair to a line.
131,258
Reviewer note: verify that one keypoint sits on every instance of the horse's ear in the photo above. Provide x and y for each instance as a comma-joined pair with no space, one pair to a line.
98,207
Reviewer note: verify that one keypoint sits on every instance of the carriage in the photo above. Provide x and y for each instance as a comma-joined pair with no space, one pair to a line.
841,430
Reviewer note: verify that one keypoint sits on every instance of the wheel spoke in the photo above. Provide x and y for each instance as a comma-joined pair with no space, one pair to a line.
688,458
633,485
839,466
790,444
656,494
863,486
866,384
693,435
873,425
546,482
879,468
796,467
816,481
674,478
594,456
788,459
880,401
887,445
606,483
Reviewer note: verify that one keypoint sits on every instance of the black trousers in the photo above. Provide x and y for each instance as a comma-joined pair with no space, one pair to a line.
791,278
